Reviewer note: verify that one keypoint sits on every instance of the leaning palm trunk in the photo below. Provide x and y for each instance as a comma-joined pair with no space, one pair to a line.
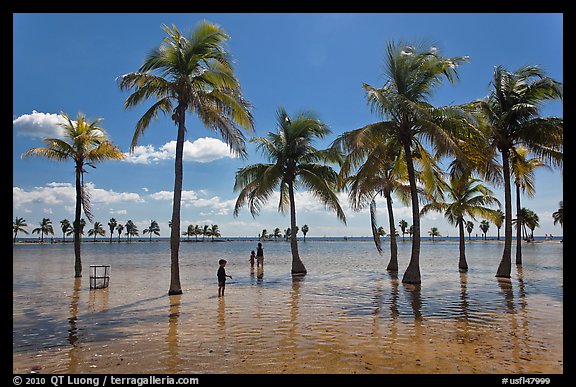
175,286
298,267
412,273
393,264
505,266
519,222
77,215
462,264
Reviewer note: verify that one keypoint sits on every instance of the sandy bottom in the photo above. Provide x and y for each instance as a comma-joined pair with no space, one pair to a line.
293,329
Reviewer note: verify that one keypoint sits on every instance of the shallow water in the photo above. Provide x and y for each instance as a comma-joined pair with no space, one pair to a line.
347,315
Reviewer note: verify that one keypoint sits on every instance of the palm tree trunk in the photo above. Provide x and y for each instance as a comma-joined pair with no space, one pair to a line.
505,266
77,214
462,264
175,287
298,267
412,273
519,221
393,264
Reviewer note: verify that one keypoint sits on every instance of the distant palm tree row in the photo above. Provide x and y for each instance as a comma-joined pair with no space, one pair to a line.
402,154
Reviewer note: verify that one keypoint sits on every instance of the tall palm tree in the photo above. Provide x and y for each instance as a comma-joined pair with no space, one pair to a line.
214,231
119,228
112,225
45,228
466,197
484,226
305,230
294,162
190,74
65,226
403,225
414,71
522,168
434,232
499,221
18,225
469,228
97,230
558,215
154,228
531,220
131,230
85,143
511,117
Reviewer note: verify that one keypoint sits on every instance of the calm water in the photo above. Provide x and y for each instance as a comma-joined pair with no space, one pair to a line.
347,315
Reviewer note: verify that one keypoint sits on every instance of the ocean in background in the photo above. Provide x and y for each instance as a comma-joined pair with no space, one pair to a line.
348,311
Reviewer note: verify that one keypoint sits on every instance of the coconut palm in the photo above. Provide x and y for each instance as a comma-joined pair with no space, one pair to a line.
197,231
72,230
154,228
294,162
18,225
205,231
305,230
112,225
558,216
190,74
276,233
499,221
65,226
45,228
469,228
85,143
97,230
189,231
119,228
511,118
434,233
263,234
466,197
131,230
531,220
484,226
522,169
414,71
214,231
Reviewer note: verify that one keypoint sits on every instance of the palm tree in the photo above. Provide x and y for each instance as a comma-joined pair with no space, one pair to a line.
263,234
403,224
112,225
434,233
65,226
197,231
484,226
469,228
294,162
119,228
86,144
558,216
531,220
97,230
511,117
195,75
72,230
45,228
189,231
18,225
466,197
152,229
214,231
305,230
498,221
381,231
131,230
277,233
414,72
522,169
287,233
205,231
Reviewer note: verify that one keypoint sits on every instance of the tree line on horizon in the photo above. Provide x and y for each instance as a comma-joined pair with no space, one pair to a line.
487,141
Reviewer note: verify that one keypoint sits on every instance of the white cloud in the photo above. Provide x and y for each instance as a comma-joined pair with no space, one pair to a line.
39,125
193,199
202,150
65,193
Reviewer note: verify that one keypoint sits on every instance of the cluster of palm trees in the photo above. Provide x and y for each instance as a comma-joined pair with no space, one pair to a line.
277,233
401,155
206,231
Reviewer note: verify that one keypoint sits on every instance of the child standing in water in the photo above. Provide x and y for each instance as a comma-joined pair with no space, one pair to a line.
222,277
252,257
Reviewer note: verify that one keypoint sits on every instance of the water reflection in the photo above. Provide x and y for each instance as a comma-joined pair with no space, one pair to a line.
98,300
259,274
72,321
464,305
173,359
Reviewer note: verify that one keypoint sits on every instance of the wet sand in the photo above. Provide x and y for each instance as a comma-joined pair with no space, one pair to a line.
274,324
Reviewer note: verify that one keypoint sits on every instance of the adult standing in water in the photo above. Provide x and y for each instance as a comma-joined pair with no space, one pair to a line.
259,256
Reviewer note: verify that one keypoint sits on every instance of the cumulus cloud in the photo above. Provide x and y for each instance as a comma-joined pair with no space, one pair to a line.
65,193
202,150
197,199
39,125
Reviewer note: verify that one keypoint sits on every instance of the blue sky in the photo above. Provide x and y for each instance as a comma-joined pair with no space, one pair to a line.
69,63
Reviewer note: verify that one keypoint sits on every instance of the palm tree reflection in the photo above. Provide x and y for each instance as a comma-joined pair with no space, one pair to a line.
173,359
73,331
